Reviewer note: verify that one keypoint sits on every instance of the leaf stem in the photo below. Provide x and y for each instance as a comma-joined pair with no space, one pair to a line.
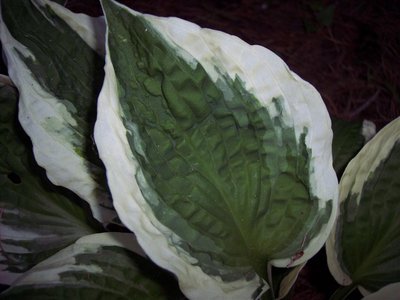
270,281
343,292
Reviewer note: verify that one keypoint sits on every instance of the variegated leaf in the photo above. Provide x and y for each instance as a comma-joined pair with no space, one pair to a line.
364,248
218,156
36,220
51,57
98,266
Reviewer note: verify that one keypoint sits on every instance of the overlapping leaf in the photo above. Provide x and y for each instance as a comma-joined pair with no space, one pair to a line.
388,292
99,266
35,220
364,248
218,157
348,139
283,280
51,57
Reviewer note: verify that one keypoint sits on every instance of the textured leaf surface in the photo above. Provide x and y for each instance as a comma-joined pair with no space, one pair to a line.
58,75
99,266
35,220
208,165
364,249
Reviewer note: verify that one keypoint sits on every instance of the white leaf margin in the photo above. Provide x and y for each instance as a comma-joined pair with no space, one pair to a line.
258,68
91,29
267,77
63,166
388,292
288,281
352,182
111,140
48,271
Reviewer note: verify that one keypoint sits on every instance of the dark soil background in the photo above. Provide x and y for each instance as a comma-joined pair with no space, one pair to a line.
349,50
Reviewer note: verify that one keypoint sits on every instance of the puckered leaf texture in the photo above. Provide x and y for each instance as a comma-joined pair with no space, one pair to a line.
364,248
51,57
208,164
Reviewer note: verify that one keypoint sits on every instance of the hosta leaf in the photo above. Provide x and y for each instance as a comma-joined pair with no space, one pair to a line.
348,139
99,266
388,292
35,220
218,157
289,280
51,61
283,280
364,249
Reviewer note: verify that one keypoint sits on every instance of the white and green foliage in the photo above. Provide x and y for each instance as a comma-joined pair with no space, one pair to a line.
35,219
388,292
48,246
51,58
98,266
218,158
364,248
217,171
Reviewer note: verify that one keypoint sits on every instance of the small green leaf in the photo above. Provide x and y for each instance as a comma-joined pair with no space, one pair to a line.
99,266
364,249
51,57
36,220
347,141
